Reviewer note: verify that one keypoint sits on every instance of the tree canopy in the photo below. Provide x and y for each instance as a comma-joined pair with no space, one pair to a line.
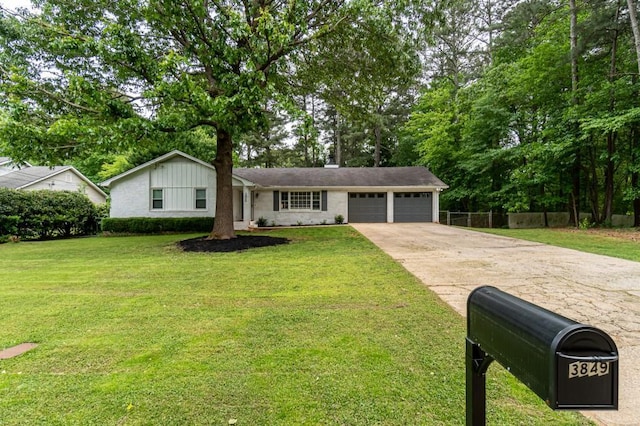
86,77
540,115
529,105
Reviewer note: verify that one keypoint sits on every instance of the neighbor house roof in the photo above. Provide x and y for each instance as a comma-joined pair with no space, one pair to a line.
7,161
342,177
28,176
23,178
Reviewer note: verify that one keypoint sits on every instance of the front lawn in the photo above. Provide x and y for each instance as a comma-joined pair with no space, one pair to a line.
324,330
623,243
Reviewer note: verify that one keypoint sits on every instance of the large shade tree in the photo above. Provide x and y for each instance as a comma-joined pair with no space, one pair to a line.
82,76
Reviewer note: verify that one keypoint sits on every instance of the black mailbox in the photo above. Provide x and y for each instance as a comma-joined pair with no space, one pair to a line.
569,365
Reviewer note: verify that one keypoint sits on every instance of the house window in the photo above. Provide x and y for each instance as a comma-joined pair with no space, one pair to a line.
156,199
201,198
300,200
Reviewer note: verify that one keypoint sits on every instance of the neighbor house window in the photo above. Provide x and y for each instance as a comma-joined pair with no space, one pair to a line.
300,200
201,198
156,199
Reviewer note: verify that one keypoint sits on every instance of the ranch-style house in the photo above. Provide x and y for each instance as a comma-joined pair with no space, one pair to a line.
179,185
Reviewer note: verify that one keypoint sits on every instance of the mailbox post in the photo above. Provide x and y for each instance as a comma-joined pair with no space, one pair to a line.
569,365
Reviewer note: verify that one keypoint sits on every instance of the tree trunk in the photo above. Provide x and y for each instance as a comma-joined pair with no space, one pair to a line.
593,186
491,30
314,151
633,17
635,176
574,49
635,131
268,157
378,133
223,223
574,202
574,199
609,173
611,136
545,210
338,149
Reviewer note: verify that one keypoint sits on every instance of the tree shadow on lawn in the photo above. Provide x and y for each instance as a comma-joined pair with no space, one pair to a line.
240,243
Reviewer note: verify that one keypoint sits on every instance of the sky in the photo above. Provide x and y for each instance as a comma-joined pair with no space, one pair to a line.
12,4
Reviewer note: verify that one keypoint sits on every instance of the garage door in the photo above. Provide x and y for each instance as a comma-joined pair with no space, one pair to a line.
412,207
367,207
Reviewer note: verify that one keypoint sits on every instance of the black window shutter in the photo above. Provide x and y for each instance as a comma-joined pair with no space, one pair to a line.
276,201
324,201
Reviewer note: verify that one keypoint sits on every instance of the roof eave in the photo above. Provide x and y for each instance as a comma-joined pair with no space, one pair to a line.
50,175
358,187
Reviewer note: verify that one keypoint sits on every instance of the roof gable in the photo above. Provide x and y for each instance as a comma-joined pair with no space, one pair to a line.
161,159
29,176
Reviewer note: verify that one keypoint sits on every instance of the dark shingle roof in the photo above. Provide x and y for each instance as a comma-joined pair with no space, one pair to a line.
29,175
341,177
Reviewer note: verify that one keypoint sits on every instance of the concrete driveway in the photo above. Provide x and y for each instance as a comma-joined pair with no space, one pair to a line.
597,290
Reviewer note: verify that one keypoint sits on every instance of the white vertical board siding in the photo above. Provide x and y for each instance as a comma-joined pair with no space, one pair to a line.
179,179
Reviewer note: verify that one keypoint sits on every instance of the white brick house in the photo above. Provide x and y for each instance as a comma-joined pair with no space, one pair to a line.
179,185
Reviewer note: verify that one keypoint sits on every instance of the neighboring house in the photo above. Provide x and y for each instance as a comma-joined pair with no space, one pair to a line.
178,185
58,178
7,165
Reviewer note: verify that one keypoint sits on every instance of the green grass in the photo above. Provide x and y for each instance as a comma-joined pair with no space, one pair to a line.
325,330
621,243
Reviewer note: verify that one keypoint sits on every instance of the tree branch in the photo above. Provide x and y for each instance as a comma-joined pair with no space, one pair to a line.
59,98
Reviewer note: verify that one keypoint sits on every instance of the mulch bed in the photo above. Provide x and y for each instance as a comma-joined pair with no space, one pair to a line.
240,243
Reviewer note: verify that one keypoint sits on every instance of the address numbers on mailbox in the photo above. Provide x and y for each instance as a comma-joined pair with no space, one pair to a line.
588,369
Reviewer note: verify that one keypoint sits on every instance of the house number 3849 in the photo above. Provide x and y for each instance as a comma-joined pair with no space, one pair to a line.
587,369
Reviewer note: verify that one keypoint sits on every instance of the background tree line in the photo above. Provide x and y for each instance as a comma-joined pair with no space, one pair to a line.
529,105
533,106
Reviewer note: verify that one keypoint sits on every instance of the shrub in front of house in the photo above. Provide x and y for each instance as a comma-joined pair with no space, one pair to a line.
8,228
30,215
156,225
